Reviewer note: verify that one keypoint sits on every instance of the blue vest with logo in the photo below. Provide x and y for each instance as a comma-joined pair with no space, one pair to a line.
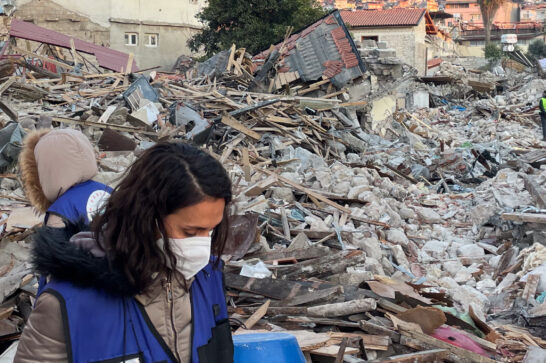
80,202
76,205
100,327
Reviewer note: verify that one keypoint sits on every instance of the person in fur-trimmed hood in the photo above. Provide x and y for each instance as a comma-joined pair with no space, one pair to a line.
57,167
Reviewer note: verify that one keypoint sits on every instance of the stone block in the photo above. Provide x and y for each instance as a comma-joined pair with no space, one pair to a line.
436,249
382,45
284,194
471,250
369,43
385,53
367,52
397,236
421,99
428,215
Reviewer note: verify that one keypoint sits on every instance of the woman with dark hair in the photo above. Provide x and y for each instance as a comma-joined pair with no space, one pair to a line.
146,284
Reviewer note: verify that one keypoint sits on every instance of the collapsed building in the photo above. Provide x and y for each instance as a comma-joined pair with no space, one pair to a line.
379,214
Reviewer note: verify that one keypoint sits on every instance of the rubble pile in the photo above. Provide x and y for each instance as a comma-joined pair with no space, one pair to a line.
414,234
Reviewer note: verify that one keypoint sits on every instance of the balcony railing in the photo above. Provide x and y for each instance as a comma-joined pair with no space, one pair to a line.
498,32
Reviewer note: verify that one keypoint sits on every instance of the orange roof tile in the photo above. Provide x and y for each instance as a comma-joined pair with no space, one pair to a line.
376,18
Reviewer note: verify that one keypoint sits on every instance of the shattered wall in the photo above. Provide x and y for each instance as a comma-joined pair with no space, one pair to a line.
408,42
51,15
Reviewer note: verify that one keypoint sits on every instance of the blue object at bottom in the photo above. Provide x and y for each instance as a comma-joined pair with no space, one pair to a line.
267,348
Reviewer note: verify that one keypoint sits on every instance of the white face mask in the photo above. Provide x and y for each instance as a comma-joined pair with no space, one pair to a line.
192,254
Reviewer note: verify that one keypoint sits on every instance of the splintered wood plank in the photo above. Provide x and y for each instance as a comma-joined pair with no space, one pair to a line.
42,58
128,69
254,318
537,192
332,351
261,186
7,84
530,289
246,164
460,353
234,124
298,254
312,296
435,355
272,288
371,342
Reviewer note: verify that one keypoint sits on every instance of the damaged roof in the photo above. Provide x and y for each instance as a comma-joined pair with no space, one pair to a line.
383,18
323,50
106,57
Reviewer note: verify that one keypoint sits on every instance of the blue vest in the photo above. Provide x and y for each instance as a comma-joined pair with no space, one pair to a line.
101,327
80,202
76,205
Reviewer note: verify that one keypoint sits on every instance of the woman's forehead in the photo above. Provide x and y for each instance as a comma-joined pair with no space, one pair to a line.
205,214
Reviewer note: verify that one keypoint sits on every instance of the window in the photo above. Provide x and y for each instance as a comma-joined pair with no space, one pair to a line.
457,6
131,39
370,37
151,40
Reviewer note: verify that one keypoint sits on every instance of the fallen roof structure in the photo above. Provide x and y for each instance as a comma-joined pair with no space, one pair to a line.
323,50
107,58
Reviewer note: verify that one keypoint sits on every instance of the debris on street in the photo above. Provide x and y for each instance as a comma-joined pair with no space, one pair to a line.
377,215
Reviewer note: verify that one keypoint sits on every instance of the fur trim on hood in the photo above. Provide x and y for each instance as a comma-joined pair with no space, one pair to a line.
53,161
29,171
67,256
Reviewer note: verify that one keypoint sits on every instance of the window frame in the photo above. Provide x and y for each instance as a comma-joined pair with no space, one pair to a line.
148,37
129,36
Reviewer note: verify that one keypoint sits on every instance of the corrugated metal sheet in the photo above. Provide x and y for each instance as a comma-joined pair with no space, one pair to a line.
383,18
106,57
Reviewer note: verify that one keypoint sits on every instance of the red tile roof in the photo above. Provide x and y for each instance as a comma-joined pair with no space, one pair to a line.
382,18
106,57
434,62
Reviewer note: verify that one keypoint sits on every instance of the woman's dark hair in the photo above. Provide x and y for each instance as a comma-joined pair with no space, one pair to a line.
165,178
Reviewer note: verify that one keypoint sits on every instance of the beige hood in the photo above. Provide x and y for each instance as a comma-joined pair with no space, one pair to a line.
52,161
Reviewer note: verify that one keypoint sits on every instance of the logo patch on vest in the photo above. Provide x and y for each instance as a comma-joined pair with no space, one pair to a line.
96,201
133,358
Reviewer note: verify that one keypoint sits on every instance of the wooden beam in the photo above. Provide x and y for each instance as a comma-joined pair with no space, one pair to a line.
43,58
435,355
254,318
234,124
7,84
525,217
463,355
128,69
379,330
537,192
312,296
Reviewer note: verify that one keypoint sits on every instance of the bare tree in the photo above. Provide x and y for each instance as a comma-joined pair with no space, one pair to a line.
488,9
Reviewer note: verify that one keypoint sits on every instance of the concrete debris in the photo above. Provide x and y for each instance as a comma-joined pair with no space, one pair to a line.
370,195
